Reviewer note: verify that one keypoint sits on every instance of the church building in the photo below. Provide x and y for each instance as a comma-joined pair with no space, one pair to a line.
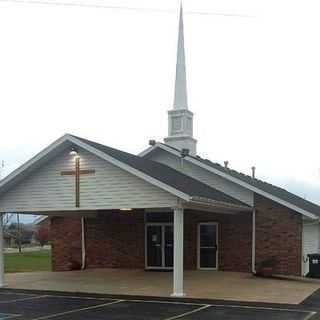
166,208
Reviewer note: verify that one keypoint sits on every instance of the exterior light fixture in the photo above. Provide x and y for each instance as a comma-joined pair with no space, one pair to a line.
125,209
73,152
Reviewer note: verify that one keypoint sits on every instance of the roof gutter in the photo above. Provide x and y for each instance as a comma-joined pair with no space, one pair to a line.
219,204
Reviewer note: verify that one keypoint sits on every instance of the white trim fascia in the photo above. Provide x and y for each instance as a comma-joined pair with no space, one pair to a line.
33,160
237,181
79,213
129,169
144,152
47,211
160,145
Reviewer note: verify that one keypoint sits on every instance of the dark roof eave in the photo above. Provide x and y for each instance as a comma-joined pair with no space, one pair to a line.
219,204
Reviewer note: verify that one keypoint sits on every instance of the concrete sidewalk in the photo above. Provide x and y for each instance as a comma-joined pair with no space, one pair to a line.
198,284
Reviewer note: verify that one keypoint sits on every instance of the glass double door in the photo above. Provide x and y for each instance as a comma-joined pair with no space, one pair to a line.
159,246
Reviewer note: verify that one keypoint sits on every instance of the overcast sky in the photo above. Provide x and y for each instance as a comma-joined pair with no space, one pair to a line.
253,72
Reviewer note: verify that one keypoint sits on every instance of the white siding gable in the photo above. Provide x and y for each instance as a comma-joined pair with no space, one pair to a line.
205,176
109,188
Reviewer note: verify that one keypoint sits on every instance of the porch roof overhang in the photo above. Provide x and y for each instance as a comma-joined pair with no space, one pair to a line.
216,206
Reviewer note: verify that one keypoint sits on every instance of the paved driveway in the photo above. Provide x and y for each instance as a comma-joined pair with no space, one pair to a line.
31,305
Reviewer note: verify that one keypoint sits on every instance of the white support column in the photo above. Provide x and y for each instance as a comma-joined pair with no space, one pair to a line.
178,253
253,241
1,252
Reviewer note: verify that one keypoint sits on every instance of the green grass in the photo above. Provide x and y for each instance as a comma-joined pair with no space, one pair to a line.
39,260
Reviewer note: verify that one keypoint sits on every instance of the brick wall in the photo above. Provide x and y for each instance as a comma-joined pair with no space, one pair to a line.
65,236
113,240
234,245
116,240
279,235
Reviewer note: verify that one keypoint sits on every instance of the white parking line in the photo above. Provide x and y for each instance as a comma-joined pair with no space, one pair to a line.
23,299
17,293
9,315
80,297
309,316
168,302
77,310
188,313
259,308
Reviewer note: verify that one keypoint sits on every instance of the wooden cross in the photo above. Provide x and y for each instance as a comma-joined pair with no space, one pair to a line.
77,173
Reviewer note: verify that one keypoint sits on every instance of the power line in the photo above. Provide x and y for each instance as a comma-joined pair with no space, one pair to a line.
84,5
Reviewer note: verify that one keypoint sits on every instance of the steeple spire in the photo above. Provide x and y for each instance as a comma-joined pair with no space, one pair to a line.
180,94
180,126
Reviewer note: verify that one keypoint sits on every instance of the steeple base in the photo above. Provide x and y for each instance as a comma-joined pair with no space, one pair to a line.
182,142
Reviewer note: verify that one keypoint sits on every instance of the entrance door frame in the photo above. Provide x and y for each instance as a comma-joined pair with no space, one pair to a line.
162,225
198,245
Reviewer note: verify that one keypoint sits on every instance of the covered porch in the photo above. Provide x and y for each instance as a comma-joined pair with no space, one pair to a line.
168,239
99,199
198,284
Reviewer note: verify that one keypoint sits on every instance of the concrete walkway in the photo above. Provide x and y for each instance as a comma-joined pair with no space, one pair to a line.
198,284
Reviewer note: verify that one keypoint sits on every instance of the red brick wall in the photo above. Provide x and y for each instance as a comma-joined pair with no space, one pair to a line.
234,245
279,235
113,240
116,240
65,236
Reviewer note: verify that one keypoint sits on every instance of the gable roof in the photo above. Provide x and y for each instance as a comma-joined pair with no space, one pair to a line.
256,185
167,175
168,179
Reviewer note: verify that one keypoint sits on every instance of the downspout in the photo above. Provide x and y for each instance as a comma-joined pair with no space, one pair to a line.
253,253
83,244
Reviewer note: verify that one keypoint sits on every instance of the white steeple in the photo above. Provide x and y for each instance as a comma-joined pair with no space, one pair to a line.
180,94
180,129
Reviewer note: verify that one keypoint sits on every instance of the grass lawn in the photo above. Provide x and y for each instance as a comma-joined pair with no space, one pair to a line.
39,260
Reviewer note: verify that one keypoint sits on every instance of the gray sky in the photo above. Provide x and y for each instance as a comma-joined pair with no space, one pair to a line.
108,75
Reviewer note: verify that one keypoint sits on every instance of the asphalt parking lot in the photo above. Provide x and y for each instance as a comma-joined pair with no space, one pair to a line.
30,305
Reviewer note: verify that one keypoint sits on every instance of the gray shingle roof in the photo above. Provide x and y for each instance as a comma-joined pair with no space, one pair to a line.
263,186
165,174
